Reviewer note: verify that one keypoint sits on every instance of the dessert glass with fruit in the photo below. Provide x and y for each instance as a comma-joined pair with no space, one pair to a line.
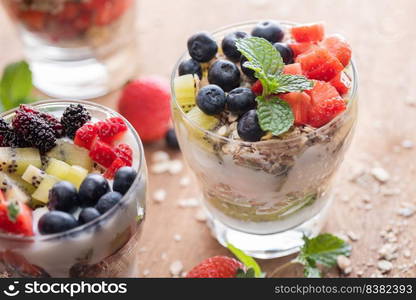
264,113
77,49
73,187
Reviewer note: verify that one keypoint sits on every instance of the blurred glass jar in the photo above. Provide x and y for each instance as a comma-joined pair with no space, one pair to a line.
77,48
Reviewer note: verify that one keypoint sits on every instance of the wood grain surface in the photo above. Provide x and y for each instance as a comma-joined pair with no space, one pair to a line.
383,36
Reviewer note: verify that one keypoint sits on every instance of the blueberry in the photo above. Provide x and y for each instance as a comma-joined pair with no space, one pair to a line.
56,221
248,127
107,201
171,139
92,188
190,66
228,45
249,72
63,196
225,74
285,51
269,30
87,215
211,99
123,179
241,100
202,47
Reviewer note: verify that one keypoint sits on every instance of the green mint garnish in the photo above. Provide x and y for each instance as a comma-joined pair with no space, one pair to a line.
253,268
267,63
15,85
324,250
13,211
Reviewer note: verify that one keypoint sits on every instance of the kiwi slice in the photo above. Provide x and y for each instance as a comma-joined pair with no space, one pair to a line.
71,154
185,91
16,160
14,190
42,192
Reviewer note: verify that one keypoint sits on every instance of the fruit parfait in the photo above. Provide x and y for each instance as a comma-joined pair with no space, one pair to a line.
73,185
264,113
86,37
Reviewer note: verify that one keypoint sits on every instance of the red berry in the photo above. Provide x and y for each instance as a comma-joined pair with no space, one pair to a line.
342,83
111,129
146,104
216,267
300,104
308,32
112,170
102,153
339,48
293,69
86,135
257,88
125,153
325,111
319,64
15,217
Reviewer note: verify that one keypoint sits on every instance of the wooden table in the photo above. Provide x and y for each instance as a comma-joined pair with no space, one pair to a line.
384,41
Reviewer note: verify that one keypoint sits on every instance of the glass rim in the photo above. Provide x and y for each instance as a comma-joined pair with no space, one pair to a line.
96,222
352,98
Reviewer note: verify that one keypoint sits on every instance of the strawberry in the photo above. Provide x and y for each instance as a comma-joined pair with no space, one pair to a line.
111,171
342,83
323,91
15,217
257,88
319,64
325,111
338,47
16,261
216,267
111,129
308,32
86,135
34,20
102,153
293,69
300,104
125,153
145,103
299,48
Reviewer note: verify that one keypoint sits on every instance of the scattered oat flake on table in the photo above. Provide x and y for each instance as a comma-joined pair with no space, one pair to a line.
201,216
344,263
159,195
353,236
160,167
407,144
177,237
146,272
384,266
160,156
176,268
164,256
380,174
176,166
406,253
407,212
185,181
188,203
388,251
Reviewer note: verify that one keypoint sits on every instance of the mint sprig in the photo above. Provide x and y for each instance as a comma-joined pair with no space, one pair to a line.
267,63
15,85
13,211
324,250
253,268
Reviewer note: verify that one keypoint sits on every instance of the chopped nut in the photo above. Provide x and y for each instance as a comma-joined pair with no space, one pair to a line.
380,174
344,263
388,251
384,266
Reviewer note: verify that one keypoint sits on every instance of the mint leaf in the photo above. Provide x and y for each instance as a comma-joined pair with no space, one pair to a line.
249,274
292,83
15,85
323,249
263,59
274,115
248,261
13,211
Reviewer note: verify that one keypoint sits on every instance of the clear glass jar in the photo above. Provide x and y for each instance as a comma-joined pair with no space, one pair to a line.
77,49
105,247
263,197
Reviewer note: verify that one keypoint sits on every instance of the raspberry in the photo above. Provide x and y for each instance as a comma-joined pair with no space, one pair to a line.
51,120
111,129
216,267
125,153
112,170
102,153
34,130
73,118
86,135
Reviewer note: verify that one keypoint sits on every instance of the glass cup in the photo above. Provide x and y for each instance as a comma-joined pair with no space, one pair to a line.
77,49
105,247
263,197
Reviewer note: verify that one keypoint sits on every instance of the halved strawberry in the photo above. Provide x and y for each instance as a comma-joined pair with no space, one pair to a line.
102,153
293,69
342,83
15,217
300,104
111,129
319,64
34,20
216,267
257,88
308,32
125,153
322,91
325,111
338,47
112,170
86,135
299,48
